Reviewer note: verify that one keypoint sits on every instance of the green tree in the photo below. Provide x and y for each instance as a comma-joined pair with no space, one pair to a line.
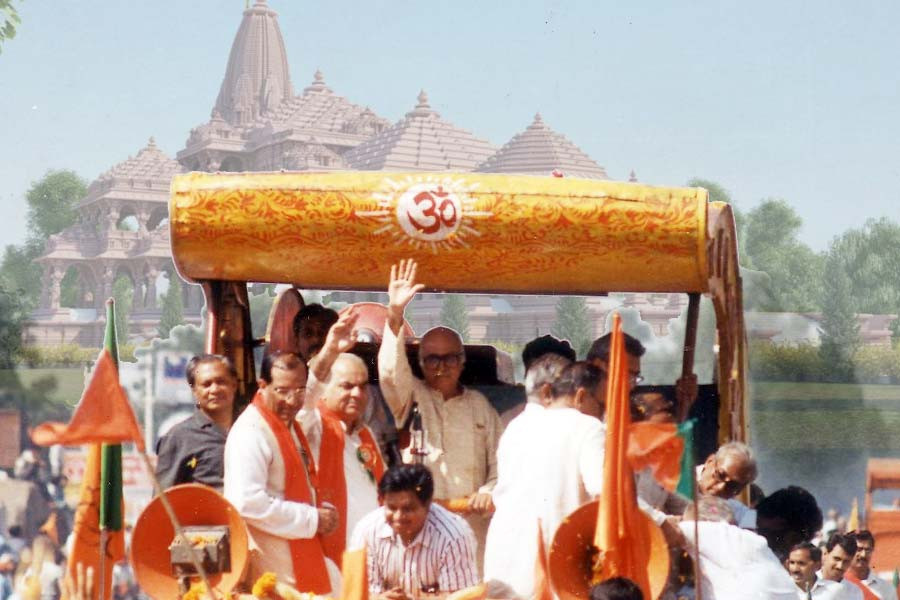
573,323
21,274
770,244
172,306
123,293
12,312
9,20
839,332
455,315
260,307
53,202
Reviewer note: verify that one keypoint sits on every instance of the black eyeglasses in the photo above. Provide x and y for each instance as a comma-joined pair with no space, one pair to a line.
732,487
452,360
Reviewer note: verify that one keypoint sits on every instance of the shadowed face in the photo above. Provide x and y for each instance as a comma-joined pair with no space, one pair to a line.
311,335
442,359
862,560
346,392
725,476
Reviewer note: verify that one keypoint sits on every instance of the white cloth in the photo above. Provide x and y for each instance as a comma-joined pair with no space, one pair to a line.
880,587
737,564
461,433
362,492
254,484
826,589
440,558
549,462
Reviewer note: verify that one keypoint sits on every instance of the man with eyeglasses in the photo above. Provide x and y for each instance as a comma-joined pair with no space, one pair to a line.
725,474
461,428
269,478
598,355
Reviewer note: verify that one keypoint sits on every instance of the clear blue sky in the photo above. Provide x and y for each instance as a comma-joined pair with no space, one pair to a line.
797,100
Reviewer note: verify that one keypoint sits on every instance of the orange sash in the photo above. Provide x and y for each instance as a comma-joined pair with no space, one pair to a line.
307,556
867,593
332,483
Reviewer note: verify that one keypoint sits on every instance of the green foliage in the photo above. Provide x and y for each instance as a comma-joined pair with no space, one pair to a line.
840,327
785,362
770,244
9,20
68,288
21,274
13,311
877,364
52,202
61,355
573,323
123,293
172,306
455,315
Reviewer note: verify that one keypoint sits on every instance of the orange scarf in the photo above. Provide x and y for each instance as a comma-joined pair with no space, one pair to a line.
307,556
867,593
332,483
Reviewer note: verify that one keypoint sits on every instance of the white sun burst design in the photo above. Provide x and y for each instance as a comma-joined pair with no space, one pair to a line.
427,211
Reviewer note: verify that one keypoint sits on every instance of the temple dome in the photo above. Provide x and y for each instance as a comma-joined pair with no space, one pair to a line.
257,79
421,141
540,151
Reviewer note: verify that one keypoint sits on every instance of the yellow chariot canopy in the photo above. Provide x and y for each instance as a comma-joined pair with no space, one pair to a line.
469,232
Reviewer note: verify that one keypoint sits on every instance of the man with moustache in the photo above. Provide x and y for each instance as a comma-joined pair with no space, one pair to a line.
839,552
802,563
860,572
192,451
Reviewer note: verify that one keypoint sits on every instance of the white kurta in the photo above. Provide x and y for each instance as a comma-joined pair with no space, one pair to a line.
737,564
550,462
362,492
254,484
880,587
826,589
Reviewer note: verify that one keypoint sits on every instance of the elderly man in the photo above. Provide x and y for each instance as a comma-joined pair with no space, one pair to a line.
192,451
347,455
268,467
839,552
725,474
549,462
414,546
860,572
461,429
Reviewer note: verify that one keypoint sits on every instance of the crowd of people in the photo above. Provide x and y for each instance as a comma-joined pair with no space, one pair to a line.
314,466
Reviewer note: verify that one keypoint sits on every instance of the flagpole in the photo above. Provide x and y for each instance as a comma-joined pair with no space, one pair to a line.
179,531
102,574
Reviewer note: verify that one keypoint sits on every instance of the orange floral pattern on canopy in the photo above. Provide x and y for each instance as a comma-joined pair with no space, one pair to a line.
469,232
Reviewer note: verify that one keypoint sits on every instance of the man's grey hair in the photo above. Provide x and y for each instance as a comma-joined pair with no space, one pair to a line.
353,358
742,452
710,508
544,370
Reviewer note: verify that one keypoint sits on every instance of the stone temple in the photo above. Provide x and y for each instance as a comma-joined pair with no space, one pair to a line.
260,123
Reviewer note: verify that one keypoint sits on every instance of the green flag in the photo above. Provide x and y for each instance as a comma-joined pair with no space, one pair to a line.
111,454
896,578
686,480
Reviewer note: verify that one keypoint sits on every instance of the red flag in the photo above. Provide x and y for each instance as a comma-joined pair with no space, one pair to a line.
103,415
542,589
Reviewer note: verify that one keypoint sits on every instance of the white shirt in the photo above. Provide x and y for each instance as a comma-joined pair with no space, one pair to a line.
880,587
826,589
549,462
461,433
362,492
744,516
737,564
440,558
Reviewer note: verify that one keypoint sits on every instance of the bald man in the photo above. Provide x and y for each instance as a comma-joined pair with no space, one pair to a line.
461,428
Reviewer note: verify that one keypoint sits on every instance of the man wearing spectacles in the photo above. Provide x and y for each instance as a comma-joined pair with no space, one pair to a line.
725,474
461,428
598,355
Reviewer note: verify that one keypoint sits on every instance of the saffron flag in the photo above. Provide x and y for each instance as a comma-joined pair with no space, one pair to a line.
623,533
354,573
853,519
667,449
542,589
103,415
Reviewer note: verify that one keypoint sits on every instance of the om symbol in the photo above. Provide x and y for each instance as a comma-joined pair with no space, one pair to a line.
429,213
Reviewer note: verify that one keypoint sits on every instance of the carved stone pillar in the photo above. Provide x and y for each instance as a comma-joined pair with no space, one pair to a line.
45,286
138,300
106,284
56,277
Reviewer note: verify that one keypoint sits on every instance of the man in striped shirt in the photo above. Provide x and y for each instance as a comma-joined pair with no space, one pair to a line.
412,545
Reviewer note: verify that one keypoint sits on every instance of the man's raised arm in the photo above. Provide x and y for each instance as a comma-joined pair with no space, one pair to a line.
394,375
